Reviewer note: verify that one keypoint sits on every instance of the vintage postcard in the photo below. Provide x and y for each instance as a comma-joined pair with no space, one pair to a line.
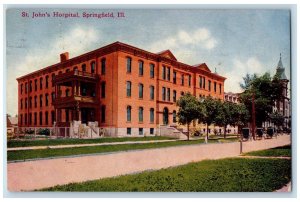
148,100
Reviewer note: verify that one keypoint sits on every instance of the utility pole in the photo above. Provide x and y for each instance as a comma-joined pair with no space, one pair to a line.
253,116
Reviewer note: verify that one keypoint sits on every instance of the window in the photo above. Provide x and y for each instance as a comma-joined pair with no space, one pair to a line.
151,131
46,118
41,100
174,77
30,86
103,109
35,101
21,103
151,92
204,82
174,116
128,131
75,69
67,70
52,97
182,93
41,83
21,89
128,114
26,87
190,79
93,67
151,115
25,119
46,99
67,93
21,119
168,73
163,93
174,95
168,94
52,117
26,102
103,90
47,80
83,67
141,89
141,114
141,131
182,79
129,65
151,70
52,78
128,88
41,118
209,85
30,102
141,68
30,119
67,115
35,85
164,73
220,88
103,66
215,86
200,81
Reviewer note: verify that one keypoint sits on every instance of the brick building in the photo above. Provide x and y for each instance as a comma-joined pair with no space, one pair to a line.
125,89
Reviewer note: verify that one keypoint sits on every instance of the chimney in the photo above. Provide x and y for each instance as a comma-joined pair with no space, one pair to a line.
64,56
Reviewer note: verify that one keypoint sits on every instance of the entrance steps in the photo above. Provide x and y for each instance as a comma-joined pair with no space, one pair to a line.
172,131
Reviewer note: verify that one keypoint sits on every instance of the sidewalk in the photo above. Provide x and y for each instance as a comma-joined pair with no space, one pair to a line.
85,145
26,176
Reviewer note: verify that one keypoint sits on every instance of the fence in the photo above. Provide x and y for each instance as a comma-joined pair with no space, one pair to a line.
55,133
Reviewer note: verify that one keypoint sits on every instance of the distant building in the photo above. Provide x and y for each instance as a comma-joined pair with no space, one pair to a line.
282,106
232,97
12,124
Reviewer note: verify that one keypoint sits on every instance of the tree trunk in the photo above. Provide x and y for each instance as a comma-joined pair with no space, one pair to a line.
188,135
207,131
225,131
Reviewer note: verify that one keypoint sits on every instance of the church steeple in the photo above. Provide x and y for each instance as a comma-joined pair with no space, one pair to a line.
280,70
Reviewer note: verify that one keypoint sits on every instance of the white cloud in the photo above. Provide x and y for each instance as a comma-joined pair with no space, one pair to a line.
77,41
239,70
200,38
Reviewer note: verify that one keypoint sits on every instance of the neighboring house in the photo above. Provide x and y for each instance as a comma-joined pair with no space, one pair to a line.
127,90
12,124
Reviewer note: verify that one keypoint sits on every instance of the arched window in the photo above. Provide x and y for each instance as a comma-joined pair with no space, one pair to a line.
129,61
141,68
141,90
103,110
103,66
151,115
128,113
151,70
83,67
46,99
47,81
141,114
128,88
93,67
174,116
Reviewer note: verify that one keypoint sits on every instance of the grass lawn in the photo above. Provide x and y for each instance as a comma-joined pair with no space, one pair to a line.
43,153
226,175
49,142
278,151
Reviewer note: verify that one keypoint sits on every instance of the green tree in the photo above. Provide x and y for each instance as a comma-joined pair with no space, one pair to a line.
277,119
189,110
266,91
211,109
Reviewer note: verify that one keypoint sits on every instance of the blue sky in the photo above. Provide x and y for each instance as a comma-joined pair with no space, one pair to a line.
235,42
